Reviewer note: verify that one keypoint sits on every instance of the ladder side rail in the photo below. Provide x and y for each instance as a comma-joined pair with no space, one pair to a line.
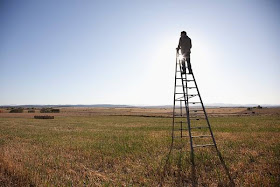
213,138
173,120
186,100
185,91
181,114
174,101
206,117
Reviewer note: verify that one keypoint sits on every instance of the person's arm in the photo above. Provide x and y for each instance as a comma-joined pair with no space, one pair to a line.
179,45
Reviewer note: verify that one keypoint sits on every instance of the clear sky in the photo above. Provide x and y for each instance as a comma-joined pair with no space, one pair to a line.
123,52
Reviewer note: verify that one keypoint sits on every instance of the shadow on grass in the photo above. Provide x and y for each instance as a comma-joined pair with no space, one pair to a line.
180,166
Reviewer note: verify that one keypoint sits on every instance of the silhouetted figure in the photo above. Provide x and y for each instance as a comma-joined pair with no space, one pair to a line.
185,44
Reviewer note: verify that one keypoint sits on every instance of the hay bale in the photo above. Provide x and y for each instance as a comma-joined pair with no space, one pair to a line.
16,110
55,110
49,110
45,110
43,117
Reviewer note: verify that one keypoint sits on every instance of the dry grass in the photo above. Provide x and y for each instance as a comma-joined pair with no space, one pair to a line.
144,112
79,148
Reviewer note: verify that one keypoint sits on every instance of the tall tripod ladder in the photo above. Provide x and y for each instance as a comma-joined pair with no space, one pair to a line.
187,100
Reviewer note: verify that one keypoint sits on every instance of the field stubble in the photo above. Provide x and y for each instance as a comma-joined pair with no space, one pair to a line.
105,150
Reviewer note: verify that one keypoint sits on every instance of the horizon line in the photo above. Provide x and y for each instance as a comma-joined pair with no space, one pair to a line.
140,105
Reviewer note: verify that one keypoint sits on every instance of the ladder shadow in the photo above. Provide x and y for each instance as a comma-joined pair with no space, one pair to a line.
232,184
214,162
182,178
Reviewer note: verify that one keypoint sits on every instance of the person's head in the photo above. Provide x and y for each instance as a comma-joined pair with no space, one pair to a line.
183,33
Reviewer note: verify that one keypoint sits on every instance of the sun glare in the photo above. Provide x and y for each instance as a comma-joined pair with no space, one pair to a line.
180,57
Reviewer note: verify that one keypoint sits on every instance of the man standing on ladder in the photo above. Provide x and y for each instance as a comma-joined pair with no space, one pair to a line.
185,44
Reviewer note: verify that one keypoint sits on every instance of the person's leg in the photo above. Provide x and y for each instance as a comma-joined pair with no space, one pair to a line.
184,63
184,66
189,64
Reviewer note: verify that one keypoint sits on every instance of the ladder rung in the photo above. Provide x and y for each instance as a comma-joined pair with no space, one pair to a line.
191,118
184,73
196,114
195,119
180,129
205,145
179,93
201,136
185,86
186,100
196,110
180,136
180,97
192,94
180,86
184,79
199,127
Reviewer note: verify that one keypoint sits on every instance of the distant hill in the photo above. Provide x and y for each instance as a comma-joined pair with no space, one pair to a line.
212,105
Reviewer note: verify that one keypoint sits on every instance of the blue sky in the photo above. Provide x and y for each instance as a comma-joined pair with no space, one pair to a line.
123,52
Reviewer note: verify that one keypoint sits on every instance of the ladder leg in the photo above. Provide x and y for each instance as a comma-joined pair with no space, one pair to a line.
212,136
173,120
181,114
186,99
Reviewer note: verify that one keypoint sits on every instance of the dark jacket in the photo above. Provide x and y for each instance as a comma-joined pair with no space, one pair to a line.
185,44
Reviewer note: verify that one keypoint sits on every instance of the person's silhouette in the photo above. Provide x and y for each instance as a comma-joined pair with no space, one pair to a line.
185,44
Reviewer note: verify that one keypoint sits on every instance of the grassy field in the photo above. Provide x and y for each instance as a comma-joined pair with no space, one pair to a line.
131,151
